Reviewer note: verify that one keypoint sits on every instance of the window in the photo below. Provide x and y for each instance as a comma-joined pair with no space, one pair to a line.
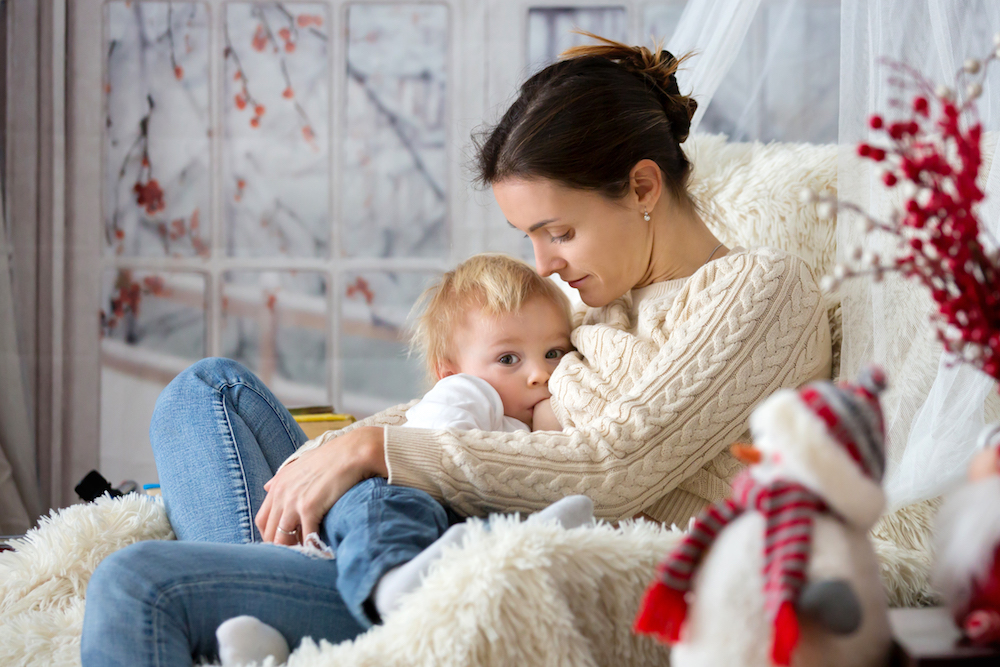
277,182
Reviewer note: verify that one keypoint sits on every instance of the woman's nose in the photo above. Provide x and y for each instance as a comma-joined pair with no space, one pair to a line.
546,262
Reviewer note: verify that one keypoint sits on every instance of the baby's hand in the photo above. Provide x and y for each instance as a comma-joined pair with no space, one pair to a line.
543,418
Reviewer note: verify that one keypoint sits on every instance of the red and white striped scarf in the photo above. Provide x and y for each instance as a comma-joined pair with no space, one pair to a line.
789,510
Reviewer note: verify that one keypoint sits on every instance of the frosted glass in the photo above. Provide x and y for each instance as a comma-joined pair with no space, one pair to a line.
376,371
394,199
156,181
276,323
276,110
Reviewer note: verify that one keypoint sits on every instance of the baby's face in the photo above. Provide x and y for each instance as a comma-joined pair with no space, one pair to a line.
516,353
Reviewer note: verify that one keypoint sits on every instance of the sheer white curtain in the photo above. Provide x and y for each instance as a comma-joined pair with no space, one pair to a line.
19,498
933,409
715,30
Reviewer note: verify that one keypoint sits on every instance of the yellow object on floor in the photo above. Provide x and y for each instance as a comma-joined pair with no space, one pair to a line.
317,420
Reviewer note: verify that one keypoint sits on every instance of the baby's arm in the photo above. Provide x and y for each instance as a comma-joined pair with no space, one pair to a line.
543,418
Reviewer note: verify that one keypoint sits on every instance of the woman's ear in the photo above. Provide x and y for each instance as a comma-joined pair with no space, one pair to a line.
646,183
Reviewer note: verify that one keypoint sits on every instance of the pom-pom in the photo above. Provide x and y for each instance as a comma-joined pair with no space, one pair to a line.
872,378
875,122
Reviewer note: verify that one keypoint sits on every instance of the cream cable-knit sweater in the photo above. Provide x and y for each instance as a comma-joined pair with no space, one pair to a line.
663,381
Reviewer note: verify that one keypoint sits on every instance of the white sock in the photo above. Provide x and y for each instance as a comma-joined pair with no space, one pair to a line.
402,579
570,512
244,640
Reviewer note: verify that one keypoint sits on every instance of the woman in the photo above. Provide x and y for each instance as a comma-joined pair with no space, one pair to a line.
682,338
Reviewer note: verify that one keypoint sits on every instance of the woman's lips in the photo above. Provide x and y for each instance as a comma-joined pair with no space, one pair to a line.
575,284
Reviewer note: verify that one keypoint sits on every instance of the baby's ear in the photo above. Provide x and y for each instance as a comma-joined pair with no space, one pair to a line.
445,367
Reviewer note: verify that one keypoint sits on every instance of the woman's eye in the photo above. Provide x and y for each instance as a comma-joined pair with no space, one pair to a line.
508,359
563,238
554,354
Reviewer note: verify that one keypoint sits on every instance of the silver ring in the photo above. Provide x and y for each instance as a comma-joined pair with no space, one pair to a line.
288,532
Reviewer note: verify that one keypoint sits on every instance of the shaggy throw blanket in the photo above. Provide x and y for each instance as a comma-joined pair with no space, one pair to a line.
516,594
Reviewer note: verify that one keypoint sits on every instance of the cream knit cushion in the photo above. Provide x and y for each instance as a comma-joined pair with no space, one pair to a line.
520,594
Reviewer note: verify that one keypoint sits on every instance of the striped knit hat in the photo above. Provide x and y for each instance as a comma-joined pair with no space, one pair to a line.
853,417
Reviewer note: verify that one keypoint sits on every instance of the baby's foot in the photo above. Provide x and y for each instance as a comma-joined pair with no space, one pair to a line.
570,512
245,640
401,580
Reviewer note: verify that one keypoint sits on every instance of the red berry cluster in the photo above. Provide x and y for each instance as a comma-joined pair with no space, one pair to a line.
937,152
149,195
127,298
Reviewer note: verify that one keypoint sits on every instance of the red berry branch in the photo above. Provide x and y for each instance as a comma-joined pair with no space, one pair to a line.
126,299
243,98
265,36
934,150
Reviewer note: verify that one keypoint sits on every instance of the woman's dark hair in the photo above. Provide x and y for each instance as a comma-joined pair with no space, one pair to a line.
586,120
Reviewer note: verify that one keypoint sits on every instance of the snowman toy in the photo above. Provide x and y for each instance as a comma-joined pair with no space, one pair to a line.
782,572
966,569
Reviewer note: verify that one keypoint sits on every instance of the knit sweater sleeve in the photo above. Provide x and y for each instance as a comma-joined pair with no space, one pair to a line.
645,404
394,415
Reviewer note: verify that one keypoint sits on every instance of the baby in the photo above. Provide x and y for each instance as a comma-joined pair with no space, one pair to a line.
491,333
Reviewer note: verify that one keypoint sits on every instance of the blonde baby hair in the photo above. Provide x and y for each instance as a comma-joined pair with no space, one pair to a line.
493,283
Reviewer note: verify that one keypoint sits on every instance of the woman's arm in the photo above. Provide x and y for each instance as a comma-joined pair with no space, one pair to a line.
301,495
642,413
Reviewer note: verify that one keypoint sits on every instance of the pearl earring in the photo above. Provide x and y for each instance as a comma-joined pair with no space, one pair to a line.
645,215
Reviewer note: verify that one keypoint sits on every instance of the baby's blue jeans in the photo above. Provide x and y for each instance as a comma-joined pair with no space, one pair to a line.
218,435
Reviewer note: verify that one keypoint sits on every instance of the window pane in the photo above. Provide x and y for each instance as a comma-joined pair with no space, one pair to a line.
549,30
394,197
153,327
375,370
156,145
276,109
277,324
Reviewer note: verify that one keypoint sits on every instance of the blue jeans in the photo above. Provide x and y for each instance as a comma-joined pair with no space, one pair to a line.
218,435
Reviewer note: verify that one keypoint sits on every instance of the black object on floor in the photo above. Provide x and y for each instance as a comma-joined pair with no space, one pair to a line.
94,486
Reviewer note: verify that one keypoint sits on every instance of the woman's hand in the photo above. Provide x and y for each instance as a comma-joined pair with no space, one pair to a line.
301,494
543,418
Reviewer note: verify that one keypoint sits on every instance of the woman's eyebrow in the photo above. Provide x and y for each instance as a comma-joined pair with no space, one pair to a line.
537,225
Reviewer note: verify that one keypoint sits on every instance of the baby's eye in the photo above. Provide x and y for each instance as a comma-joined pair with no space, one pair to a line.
508,359
555,354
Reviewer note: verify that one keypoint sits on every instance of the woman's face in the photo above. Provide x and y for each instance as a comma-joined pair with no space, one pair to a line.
599,246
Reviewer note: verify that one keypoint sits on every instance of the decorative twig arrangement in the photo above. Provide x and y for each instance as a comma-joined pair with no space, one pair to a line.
934,150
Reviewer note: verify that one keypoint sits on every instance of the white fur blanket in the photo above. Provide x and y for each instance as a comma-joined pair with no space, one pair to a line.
517,594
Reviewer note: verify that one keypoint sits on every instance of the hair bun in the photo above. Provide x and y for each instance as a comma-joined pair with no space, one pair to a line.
658,68
679,108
